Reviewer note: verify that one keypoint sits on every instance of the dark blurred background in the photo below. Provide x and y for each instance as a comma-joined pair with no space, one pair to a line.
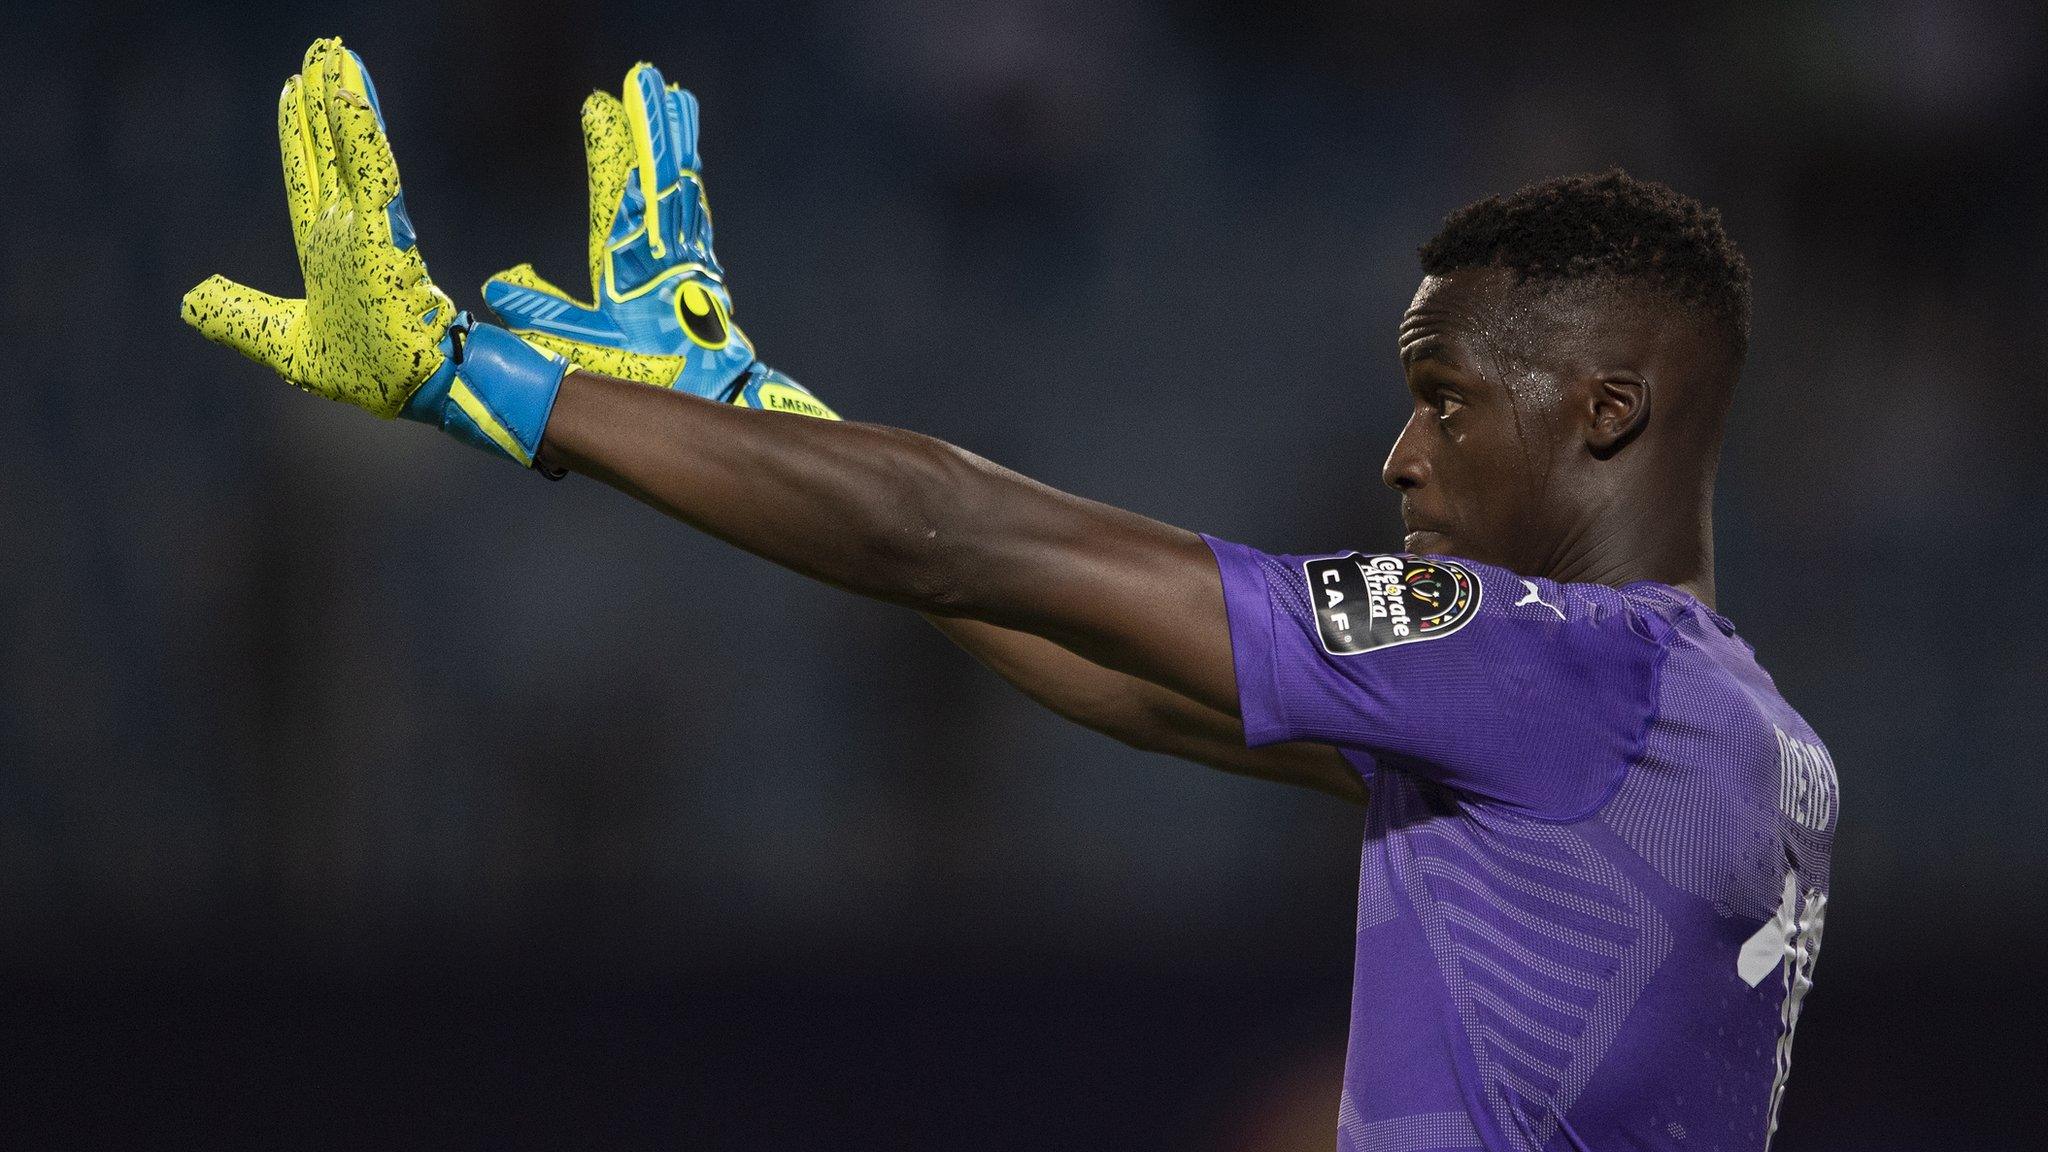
355,789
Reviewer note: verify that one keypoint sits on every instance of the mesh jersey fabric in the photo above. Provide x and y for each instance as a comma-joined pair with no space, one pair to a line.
1595,863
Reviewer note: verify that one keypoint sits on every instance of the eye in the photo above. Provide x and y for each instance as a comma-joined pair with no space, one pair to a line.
1448,404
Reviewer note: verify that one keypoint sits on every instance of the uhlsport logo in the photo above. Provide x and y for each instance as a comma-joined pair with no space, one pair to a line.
1367,602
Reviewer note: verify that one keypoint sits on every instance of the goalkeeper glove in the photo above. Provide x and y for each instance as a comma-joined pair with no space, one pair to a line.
372,330
661,311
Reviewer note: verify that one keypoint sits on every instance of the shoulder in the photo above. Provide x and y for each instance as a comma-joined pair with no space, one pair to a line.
1518,689
1363,602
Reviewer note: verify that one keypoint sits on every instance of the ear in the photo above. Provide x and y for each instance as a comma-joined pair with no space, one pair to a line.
1618,409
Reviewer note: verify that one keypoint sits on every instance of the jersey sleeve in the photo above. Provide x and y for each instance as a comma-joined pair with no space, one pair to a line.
1518,691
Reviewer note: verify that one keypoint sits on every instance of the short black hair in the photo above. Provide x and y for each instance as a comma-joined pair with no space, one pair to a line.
1611,225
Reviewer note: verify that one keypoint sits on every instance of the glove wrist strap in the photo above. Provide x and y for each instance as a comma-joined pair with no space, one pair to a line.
493,390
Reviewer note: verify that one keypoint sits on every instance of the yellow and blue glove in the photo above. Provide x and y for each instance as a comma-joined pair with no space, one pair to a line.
373,330
661,312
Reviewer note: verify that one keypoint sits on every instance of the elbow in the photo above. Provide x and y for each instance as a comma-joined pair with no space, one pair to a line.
942,535
933,568
969,538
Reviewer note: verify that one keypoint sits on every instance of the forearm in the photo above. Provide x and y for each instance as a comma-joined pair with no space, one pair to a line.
1077,689
904,518
838,502
1144,715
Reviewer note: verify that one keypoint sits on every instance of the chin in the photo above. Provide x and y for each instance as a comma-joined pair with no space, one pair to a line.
1429,543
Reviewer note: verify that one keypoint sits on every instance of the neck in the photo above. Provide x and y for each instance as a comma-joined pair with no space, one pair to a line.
1668,540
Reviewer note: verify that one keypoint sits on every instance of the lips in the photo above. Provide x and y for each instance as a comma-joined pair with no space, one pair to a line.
1420,536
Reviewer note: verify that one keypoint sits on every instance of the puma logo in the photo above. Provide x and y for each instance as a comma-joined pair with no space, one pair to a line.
1536,597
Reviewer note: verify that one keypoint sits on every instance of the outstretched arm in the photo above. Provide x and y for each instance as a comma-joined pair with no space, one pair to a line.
1108,617
914,521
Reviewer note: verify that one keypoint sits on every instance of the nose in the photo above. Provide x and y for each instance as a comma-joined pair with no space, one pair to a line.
1406,467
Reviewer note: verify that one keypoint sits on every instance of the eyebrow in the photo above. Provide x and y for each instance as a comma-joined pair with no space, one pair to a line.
1430,348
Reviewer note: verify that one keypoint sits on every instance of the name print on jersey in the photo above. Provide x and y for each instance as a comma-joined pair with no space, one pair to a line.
1367,602
1808,792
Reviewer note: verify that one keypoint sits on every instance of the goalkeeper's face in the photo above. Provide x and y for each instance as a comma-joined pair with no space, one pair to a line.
1490,464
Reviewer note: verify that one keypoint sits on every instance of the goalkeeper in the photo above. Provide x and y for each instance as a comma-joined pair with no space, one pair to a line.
1596,859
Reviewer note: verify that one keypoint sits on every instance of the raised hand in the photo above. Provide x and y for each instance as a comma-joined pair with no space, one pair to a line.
372,330
372,325
660,312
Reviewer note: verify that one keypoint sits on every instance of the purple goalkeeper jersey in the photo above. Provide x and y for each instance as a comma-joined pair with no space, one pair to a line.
1596,850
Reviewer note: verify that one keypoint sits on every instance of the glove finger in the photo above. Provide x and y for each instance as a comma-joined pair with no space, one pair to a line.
608,158
301,192
692,203
648,107
362,153
529,304
525,276
683,114
369,173
319,132
256,324
654,161
356,77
